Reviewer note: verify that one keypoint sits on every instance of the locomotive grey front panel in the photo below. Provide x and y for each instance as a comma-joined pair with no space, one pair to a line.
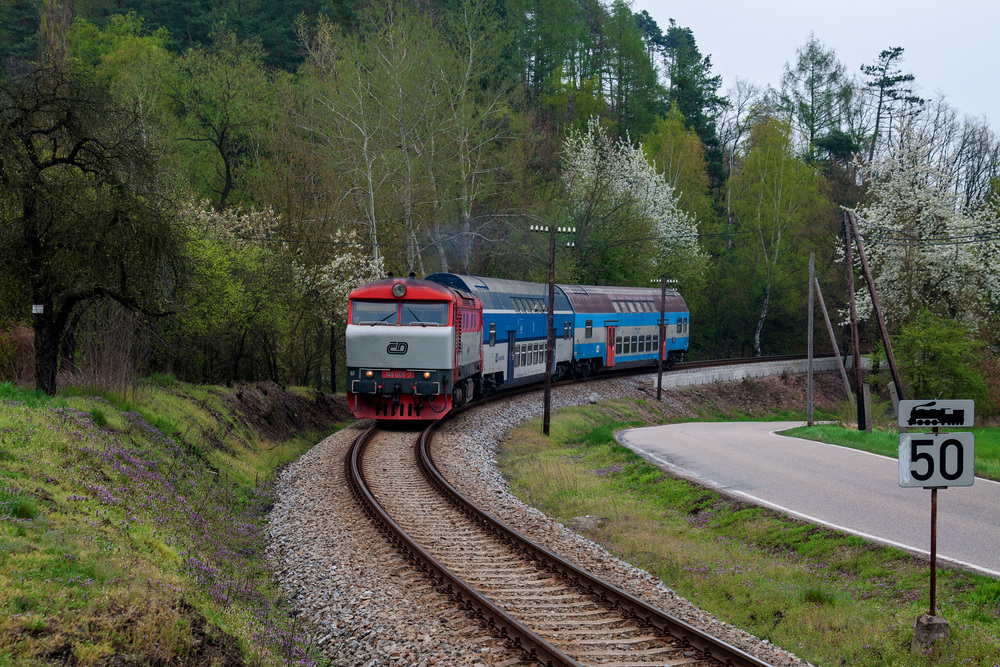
400,347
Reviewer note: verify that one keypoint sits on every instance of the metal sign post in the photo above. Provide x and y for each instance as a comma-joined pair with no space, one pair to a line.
935,461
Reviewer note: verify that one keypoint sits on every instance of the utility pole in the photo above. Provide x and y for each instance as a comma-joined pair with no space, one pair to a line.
833,337
855,338
550,339
663,333
883,331
809,363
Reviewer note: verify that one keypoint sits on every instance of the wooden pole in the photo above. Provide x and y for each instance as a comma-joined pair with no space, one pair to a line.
663,338
833,338
550,340
809,363
855,338
875,305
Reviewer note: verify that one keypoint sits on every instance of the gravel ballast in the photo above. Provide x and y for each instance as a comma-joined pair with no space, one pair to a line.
344,576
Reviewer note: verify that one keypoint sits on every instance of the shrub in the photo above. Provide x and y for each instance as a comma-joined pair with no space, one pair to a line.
17,354
938,357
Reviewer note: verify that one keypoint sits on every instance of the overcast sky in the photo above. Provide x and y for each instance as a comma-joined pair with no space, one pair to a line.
951,47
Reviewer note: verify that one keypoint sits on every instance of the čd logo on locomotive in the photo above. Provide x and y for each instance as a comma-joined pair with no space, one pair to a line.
397,347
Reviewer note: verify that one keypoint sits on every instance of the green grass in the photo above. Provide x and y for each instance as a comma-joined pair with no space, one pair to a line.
831,598
886,443
127,521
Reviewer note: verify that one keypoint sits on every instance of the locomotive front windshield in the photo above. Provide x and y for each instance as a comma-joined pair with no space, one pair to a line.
390,312
424,312
374,312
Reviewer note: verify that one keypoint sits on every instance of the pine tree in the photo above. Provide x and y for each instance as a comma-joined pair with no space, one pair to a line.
695,91
811,91
891,88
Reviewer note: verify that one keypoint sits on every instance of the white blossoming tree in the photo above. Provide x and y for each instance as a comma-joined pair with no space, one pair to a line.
628,222
350,266
925,251
261,304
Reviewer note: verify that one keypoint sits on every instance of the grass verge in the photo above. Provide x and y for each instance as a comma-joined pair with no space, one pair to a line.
830,598
886,442
132,531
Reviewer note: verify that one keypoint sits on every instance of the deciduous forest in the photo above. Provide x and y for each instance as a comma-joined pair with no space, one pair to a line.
193,187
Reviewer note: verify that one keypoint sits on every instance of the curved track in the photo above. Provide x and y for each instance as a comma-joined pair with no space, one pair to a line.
554,612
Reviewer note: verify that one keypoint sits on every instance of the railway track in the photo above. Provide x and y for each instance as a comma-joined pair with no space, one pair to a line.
554,612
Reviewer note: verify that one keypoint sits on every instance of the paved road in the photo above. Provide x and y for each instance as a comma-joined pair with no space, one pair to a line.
835,486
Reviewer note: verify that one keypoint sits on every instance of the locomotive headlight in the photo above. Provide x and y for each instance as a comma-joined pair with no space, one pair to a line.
368,374
427,375
399,290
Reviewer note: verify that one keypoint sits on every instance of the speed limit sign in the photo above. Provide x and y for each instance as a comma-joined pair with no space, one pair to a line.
936,459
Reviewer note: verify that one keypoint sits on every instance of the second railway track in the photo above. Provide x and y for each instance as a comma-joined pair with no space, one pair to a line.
554,612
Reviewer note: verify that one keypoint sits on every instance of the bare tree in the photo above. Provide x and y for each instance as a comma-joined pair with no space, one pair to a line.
84,214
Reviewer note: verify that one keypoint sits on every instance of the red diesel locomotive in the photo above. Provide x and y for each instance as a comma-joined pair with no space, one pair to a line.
413,349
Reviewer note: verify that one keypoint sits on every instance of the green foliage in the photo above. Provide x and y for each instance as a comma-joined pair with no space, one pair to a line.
678,153
84,207
763,274
19,30
695,91
232,303
812,91
128,59
223,97
938,358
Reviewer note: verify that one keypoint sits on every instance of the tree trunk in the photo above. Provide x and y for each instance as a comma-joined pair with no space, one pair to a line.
760,321
46,351
333,358
67,347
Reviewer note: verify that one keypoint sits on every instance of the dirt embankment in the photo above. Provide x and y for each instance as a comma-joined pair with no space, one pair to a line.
279,414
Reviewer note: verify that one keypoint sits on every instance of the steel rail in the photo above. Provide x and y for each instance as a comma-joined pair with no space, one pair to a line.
631,606
522,637
534,646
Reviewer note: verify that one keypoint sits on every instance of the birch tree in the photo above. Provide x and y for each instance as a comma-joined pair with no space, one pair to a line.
774,196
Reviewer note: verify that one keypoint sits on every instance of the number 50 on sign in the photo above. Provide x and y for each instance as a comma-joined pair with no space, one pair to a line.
936,459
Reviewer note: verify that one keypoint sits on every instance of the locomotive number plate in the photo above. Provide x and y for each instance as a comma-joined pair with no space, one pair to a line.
401,375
